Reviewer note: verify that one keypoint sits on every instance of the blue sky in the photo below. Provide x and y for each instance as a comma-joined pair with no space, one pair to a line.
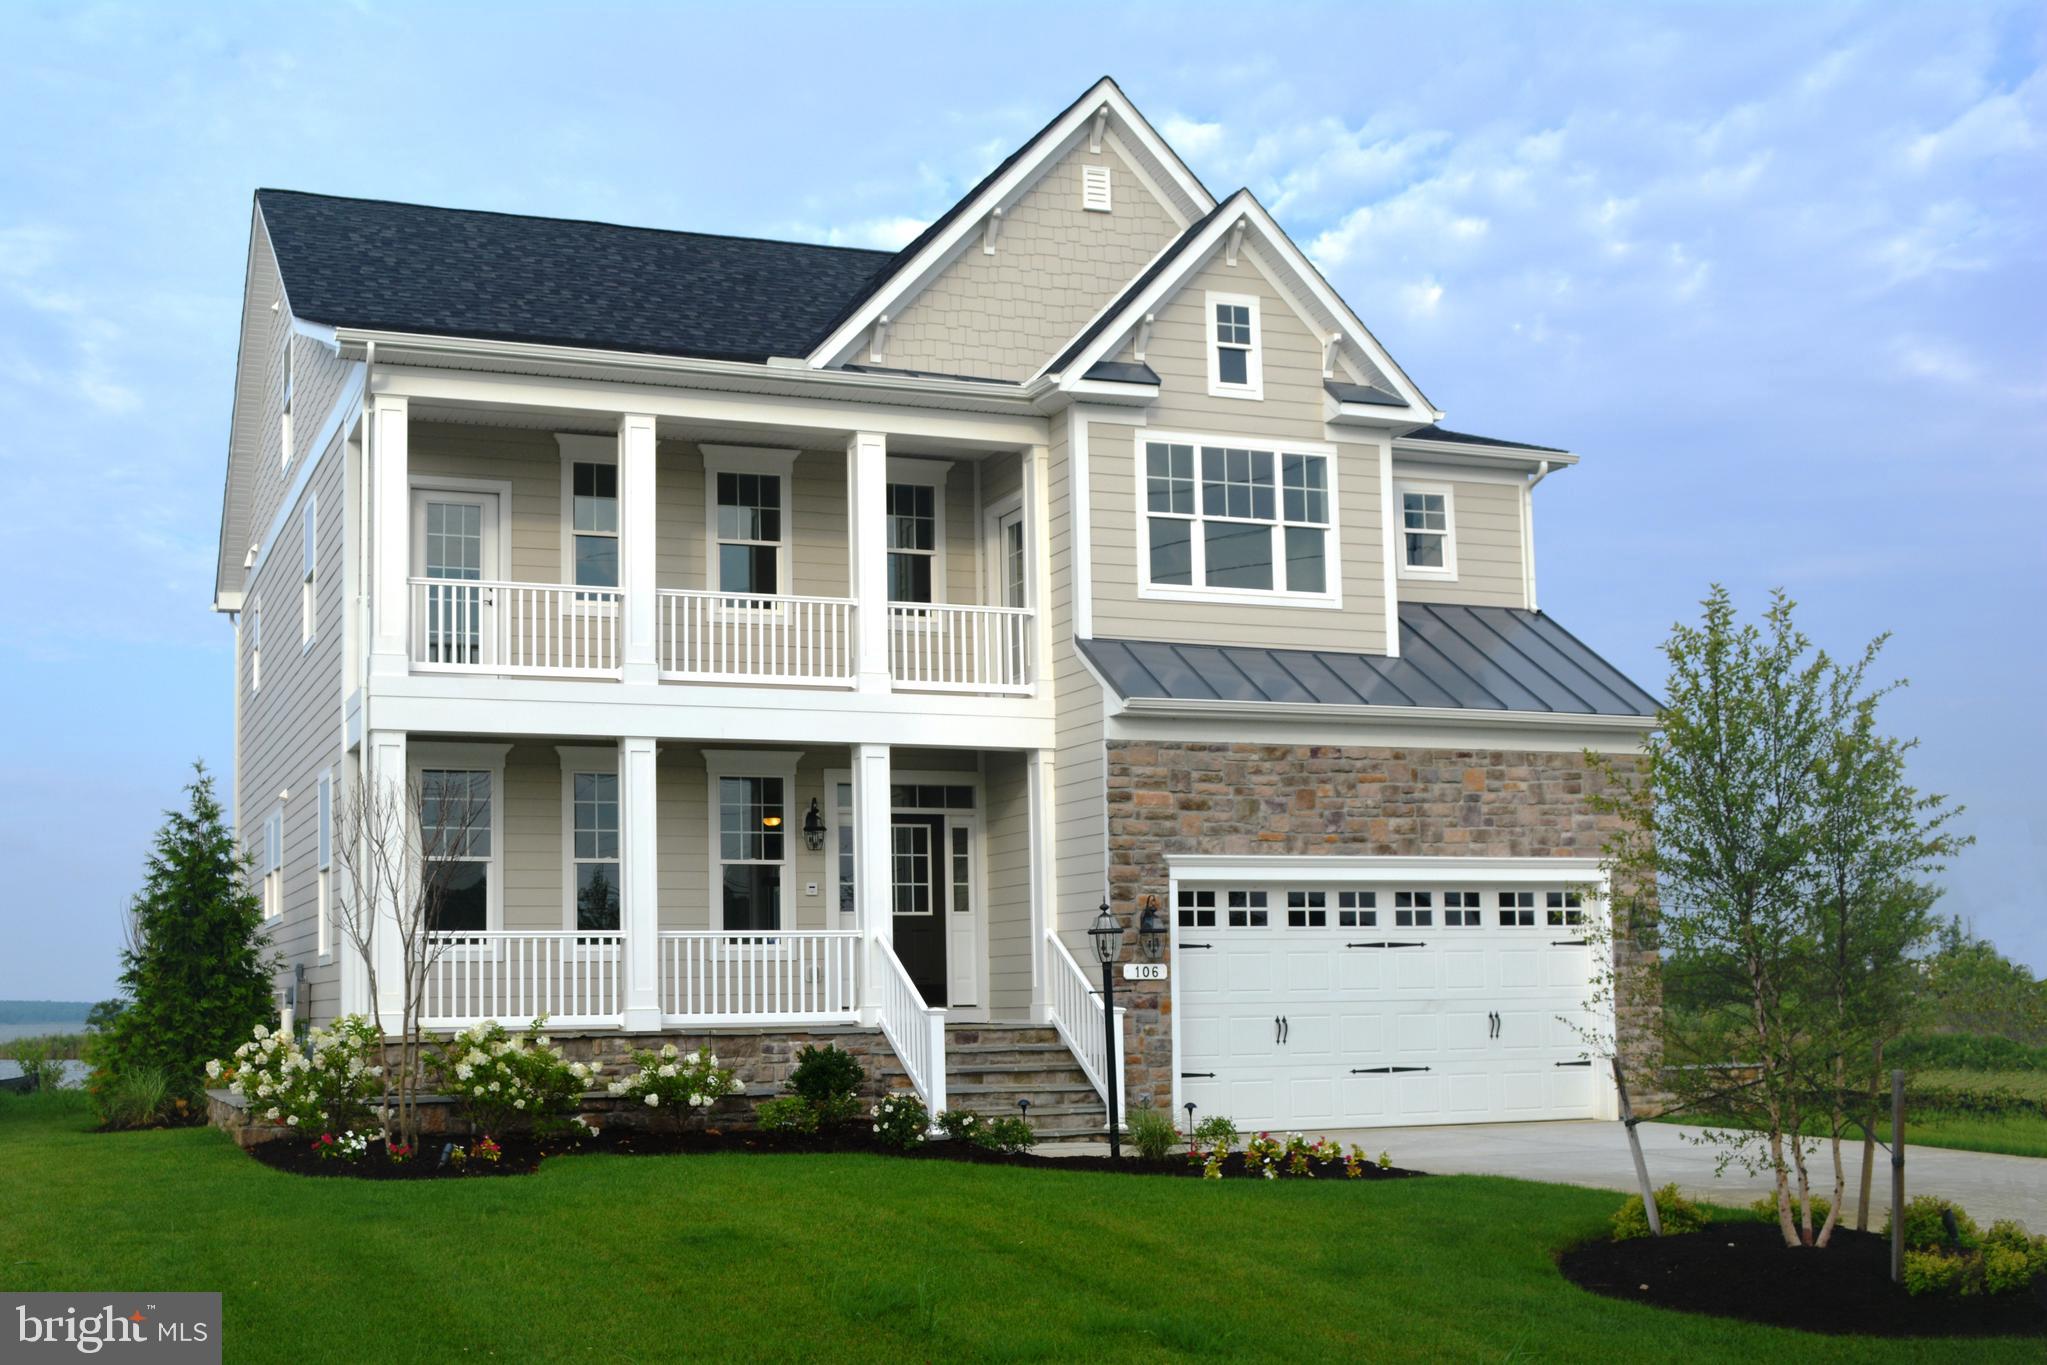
1778,273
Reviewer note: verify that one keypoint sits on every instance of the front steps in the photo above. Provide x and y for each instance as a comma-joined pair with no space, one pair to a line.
989,1067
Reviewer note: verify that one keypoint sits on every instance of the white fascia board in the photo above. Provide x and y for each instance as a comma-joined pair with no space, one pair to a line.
315,331
1457,452
967,223
1313,713
1103,391
1351,867
223,554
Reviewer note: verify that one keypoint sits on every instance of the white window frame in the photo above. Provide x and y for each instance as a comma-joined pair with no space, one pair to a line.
1331,598
1448,573
779,464
273,863
323,862
776,763
309,572
601,760
996,565
576,449
488,758
1253,386
255,646
934,475
290,378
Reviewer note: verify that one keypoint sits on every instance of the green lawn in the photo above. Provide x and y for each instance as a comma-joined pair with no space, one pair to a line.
836,1258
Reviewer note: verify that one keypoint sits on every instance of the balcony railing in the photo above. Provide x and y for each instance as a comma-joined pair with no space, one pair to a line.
940,648
752,638
774,976
544,629
515,976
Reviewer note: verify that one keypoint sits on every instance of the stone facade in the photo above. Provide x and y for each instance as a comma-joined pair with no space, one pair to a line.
1275,799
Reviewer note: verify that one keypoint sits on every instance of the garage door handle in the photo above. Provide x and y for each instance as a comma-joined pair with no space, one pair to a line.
1385,944
1574,1063
1494,1016
1197,1075
1382,1070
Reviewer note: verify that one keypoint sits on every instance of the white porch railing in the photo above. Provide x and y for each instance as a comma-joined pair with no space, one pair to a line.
802,976
1077,1014
484,626
748,637
942,648
915,1030
515,976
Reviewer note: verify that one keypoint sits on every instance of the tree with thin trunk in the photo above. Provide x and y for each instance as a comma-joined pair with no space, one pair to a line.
399,849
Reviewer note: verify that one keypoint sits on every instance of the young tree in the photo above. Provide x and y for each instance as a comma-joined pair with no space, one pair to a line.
397,846
1715,822
196,973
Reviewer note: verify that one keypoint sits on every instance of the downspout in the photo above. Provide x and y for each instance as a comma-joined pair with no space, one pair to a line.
1542,471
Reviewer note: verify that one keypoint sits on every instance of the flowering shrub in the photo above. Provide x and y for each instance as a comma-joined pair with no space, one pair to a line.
963,1124
679,1082
1262,1156
505,1083
900,1120
486,1150
1011,1135
398,1151
324,1086
1210,1144
350,1146
1354,1162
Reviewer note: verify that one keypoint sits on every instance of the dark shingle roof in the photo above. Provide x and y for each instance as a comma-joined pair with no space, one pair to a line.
1433,433
499,276
1471,658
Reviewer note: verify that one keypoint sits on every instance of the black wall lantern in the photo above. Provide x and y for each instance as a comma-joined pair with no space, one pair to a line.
1107,937
1151,930
813,827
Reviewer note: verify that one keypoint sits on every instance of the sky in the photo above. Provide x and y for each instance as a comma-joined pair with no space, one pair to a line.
1777,273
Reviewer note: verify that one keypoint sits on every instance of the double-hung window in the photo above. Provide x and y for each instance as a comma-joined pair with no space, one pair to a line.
1428,536
594,812
752,849
309,606
323,905
593,523
1235,363
912,541
1237,517
455,824
749,512
273,865
256,646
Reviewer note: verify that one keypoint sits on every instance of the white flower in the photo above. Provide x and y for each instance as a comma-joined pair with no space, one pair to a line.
653,1101
668,1069
292,1121
464,1072
272,1113
518,1104
262,1032
494,1087
213,1068
616,1087
668,1049
699,1101
479,1090
544,1041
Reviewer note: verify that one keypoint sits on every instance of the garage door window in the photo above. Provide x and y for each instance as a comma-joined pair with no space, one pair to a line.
1247,910
1197,909
1414,909
1564,907
1307,909
1460,910
1517,908
1356,909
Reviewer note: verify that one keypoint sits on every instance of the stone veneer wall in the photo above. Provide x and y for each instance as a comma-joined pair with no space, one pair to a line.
1252,799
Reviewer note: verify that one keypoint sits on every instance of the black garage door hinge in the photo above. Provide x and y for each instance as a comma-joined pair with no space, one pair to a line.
1574,1064
1197,945
1569,942
1383,1070
1197,1075
1386,943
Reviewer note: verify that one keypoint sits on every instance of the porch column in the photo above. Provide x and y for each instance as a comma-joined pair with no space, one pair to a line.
391,534
1044,879
867,542
390,796
636,548
639,882
873,865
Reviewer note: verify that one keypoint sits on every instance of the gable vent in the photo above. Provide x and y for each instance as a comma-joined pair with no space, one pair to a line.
1094,188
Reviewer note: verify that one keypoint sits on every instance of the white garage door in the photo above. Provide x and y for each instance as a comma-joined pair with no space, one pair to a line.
1328,1007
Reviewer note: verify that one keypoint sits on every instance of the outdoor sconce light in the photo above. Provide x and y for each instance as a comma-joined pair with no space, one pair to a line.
813,827
1151,930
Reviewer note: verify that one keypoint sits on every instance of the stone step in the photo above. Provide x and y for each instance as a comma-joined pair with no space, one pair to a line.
995,1106
953,1049
1013,1077
1009,1035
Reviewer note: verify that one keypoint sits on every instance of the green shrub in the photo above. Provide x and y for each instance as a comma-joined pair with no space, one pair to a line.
1964,1052
325,1087
1976,1092
136,1098
39,1062
1216,1131
2003,1260
963,1124
789,1114
1926,1230
1153,1134
1677,1214
900,1120
829,1078
505,1084
1936,1272
1010,1135
1765,1208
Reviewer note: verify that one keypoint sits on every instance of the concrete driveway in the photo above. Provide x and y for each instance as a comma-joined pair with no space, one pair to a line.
1596,1154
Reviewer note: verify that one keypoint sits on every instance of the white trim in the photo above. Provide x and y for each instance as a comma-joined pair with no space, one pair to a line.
1389,573
1487,454
581,448
1253,386
285,447
777,463
1331,598
344,407
1207,868
602,760
255,615
994,568
444,756
1448,572
779,763
1319,712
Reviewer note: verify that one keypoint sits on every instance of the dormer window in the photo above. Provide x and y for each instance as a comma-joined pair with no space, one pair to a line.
1428,536
1234,369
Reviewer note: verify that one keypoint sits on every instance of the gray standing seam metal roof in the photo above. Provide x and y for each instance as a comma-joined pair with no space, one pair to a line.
1469,658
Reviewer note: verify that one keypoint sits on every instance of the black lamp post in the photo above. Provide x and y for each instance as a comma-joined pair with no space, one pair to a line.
1107,935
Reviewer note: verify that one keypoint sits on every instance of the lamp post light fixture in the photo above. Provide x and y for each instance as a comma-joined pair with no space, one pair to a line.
813,828
1107,936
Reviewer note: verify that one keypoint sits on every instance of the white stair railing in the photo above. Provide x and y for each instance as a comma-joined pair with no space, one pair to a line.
751,637
515,977
1077,1015
914,1029
802,976
544,629
939,648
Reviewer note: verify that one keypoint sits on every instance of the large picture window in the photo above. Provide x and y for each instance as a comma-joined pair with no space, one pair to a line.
752,850
1235,517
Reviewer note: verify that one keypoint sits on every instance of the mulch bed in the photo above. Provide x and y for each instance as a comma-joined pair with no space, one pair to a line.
1744,1270
523,1156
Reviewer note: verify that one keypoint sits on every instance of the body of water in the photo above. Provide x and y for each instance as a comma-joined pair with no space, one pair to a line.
37,1030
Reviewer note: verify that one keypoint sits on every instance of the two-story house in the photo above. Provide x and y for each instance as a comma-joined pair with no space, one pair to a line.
822,636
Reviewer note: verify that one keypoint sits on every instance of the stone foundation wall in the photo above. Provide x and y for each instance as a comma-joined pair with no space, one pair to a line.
1265,799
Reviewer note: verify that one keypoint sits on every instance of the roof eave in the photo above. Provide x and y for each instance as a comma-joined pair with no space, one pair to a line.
1492,457
1309,713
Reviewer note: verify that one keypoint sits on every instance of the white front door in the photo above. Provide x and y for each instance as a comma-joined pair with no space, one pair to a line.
454,543
963,918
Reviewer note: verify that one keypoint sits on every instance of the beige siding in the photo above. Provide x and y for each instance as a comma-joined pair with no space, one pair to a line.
290,727
1079,819
1487,521
1007,845
530,461
1291,410
1055,265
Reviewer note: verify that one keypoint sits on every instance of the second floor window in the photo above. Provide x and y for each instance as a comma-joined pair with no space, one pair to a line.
749,532
1237,518
594,514
912,541
1428,547
1234,368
